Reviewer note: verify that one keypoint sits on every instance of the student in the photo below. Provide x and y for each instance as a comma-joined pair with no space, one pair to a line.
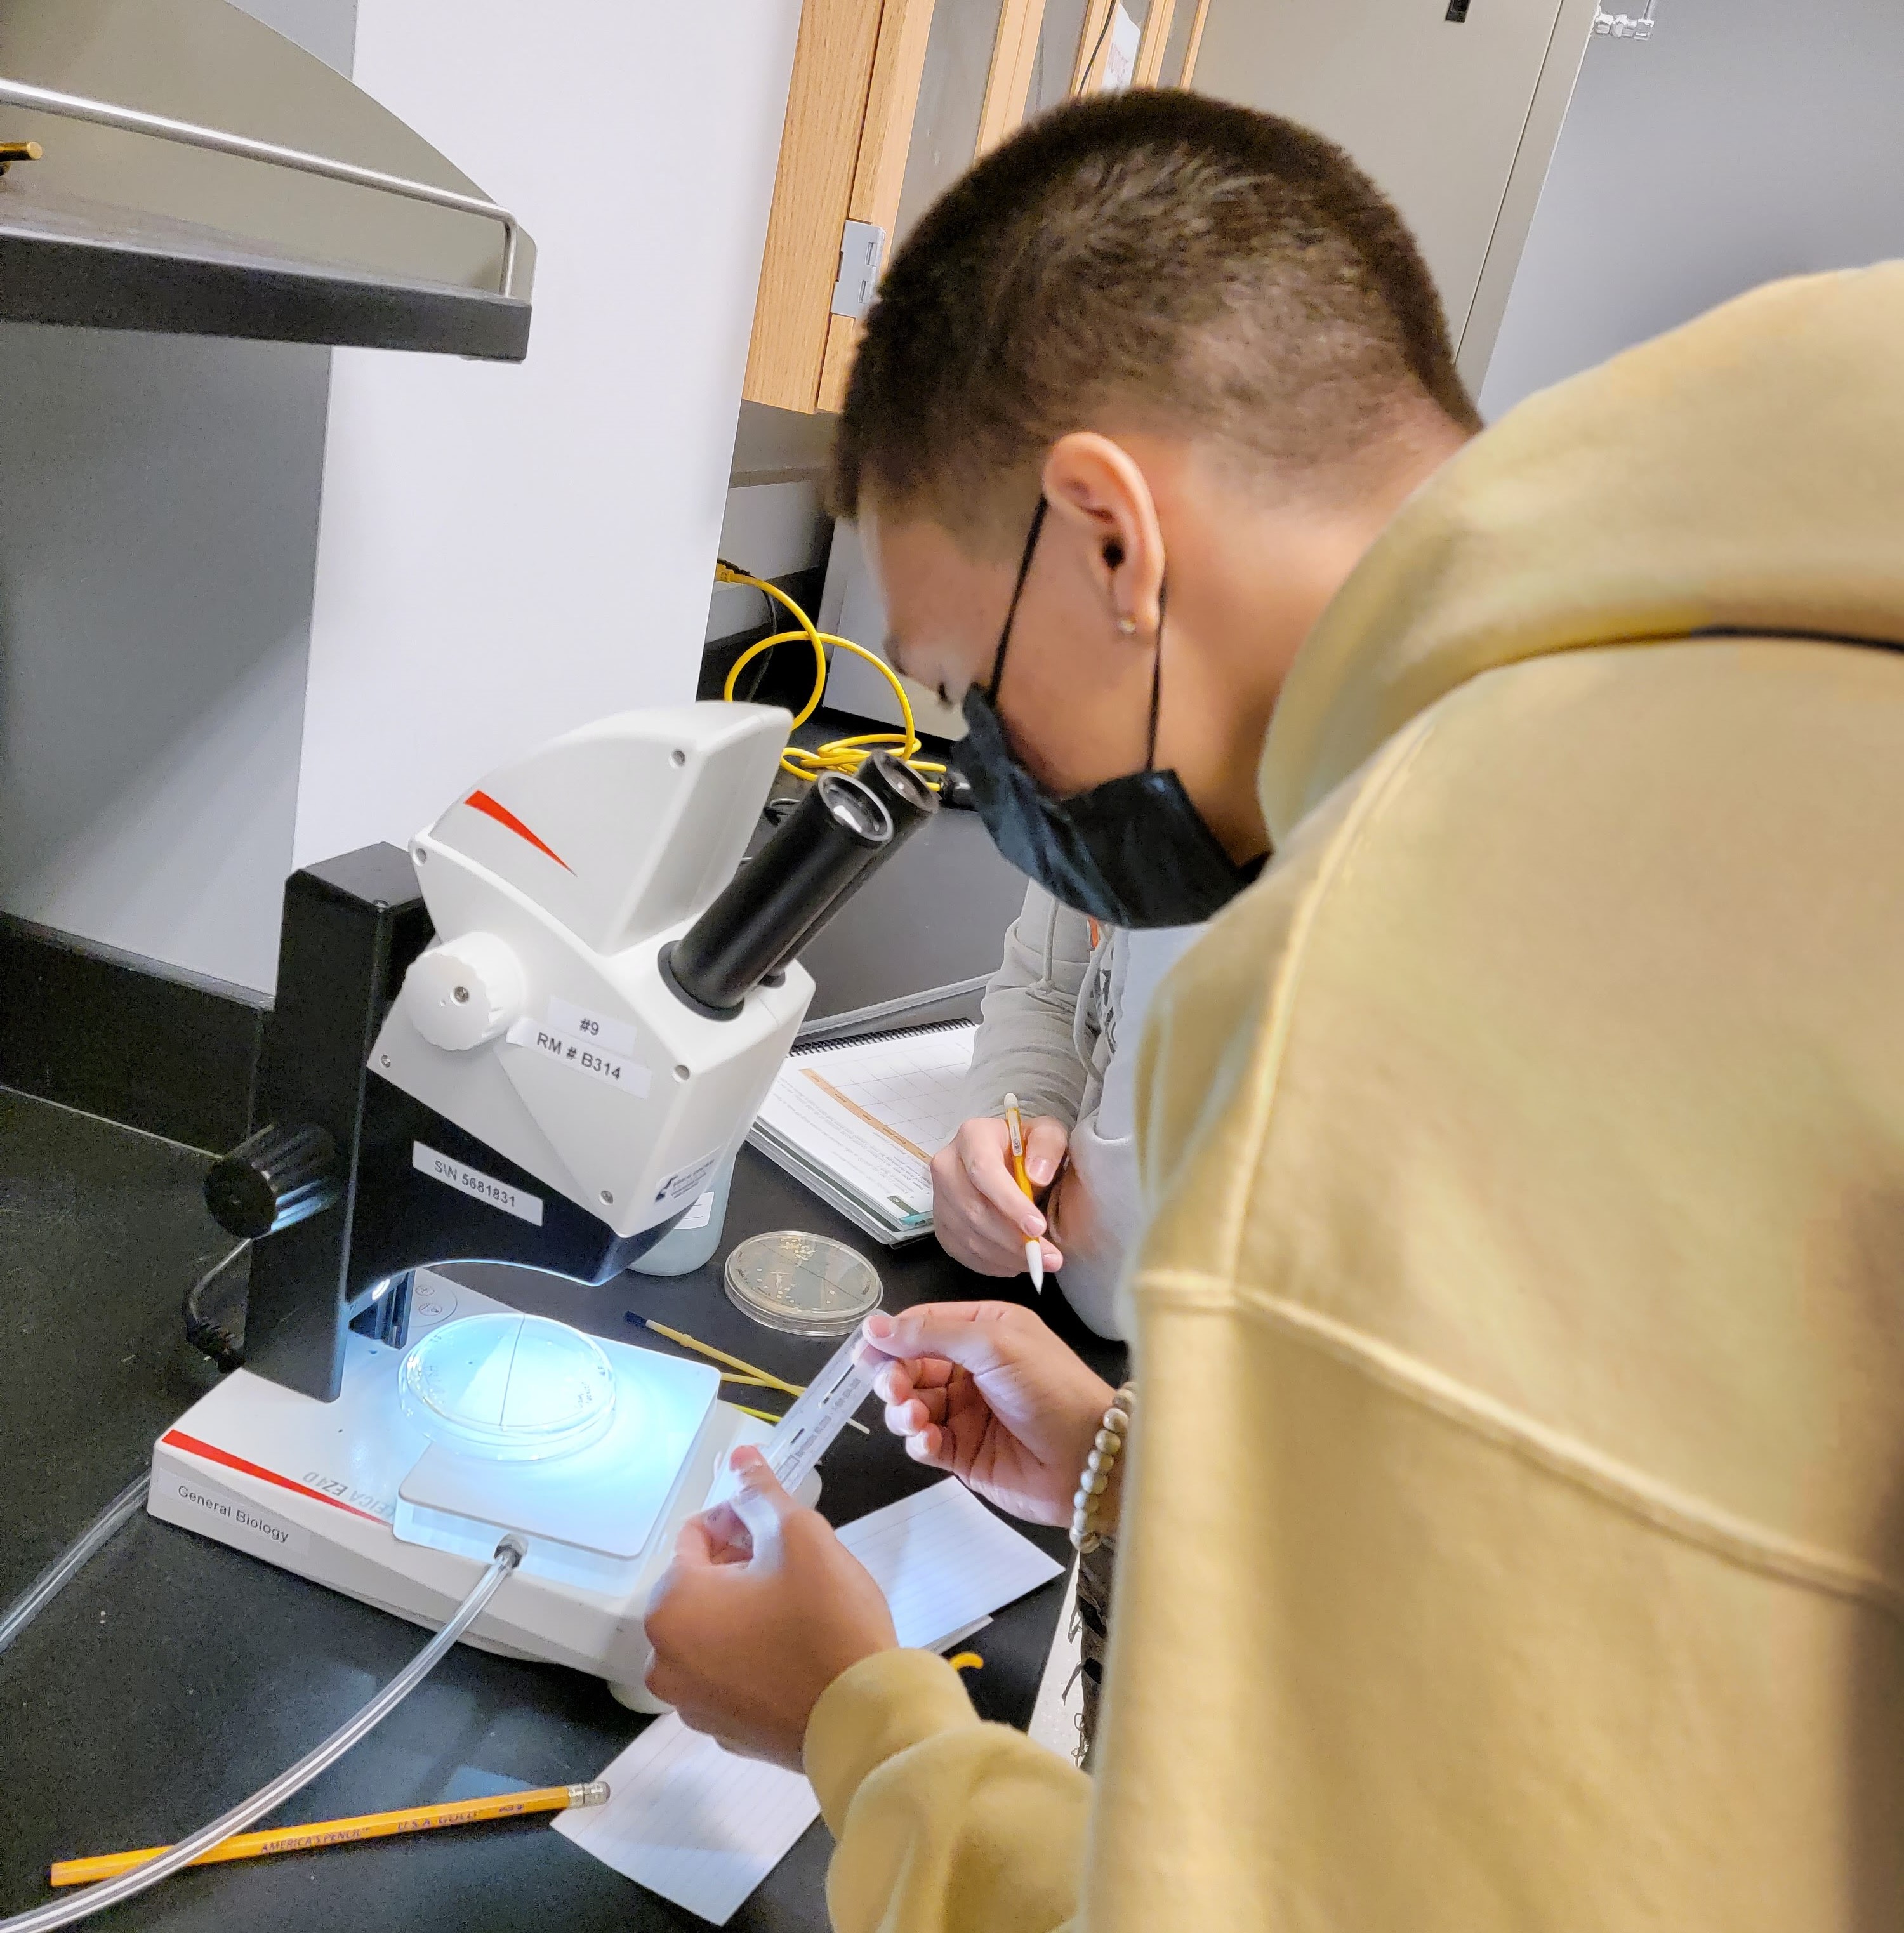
1062,1018
1509,1538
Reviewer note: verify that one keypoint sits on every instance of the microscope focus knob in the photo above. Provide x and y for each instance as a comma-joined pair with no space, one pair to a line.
276,1178
465,991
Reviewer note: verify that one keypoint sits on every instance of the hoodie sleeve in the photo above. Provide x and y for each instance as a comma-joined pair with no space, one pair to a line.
1024,1044
945,1824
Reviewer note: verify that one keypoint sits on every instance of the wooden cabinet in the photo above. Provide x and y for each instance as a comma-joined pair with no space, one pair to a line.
890,101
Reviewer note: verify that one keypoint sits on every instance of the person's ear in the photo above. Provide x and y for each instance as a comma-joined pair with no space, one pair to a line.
1096,492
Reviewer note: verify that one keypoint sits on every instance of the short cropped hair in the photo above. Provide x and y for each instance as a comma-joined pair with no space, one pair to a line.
1157,259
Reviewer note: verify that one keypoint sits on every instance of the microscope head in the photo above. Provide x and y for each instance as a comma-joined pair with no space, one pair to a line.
539,1021
533,1037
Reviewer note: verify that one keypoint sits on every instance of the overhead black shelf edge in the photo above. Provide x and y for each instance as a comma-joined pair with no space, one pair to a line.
103,284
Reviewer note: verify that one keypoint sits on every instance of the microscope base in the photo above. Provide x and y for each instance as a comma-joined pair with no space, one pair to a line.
315,1487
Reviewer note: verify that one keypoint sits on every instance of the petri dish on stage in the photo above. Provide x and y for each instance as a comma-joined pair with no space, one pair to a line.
805,1284
513,1388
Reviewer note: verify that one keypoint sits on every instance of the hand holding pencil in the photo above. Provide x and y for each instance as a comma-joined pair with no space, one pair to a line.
984,1215
1034,1249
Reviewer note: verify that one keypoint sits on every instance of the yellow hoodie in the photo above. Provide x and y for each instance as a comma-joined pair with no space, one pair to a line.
1514,1534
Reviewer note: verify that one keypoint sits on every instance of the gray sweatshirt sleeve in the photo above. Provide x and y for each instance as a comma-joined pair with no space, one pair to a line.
1025,1044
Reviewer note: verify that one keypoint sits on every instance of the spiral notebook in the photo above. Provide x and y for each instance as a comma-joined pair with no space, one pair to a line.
858,1121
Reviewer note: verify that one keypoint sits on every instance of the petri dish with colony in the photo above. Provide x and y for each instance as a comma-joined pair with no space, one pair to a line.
513,1388
805,1284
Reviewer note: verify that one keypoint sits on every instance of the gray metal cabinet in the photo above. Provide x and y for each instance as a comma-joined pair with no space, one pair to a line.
1453,106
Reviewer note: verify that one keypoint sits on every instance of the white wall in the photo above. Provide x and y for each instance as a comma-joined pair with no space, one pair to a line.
770,530
507,551
775,522
1747,140
158,510
326,28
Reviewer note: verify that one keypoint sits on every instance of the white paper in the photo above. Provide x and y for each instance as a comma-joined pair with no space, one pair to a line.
943,1559
698,1825
871,1114
702,1826
1120,63
809,1118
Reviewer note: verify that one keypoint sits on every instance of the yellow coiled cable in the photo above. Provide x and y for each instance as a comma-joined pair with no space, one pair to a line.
837,755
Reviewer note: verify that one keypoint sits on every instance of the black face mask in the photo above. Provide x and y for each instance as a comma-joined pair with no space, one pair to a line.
1133,852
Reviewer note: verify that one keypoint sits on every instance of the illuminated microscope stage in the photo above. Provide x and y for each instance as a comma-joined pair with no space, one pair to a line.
593,1452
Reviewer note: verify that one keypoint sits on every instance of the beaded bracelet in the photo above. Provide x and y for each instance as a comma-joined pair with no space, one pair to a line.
1095,1480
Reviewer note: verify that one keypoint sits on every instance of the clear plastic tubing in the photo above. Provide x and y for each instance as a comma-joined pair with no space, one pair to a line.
60,1572
109,1893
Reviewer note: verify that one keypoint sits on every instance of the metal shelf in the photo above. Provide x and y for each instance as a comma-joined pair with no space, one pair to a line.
120,217
88,264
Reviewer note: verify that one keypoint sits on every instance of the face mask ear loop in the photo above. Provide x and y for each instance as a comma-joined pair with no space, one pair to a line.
1018,591
1157,688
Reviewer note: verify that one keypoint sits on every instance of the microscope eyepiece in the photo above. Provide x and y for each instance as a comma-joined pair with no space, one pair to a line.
851,806
905,796
781,897
909,802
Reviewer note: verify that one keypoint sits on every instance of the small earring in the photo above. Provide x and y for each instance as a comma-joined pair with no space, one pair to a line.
1126,626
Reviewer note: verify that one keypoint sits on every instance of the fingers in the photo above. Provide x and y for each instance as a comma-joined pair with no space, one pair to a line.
970,1229
756,1475
1045,1140
988,1170
986,1248
906,1419
966,1227
974,1336
697,1546
912,1405
729,1539
904,1374
902,1379
758,1502
982,1149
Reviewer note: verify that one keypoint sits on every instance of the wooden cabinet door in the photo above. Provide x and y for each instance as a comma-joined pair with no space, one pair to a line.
856,68
890,101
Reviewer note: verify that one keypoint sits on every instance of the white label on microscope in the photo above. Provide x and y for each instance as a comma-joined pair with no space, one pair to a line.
598,1030
516,1201
613,1070
687,1181
211,1507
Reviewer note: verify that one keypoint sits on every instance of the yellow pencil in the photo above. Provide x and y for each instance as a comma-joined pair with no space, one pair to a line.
767,1377
1034,1252
713,1354
344,1832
